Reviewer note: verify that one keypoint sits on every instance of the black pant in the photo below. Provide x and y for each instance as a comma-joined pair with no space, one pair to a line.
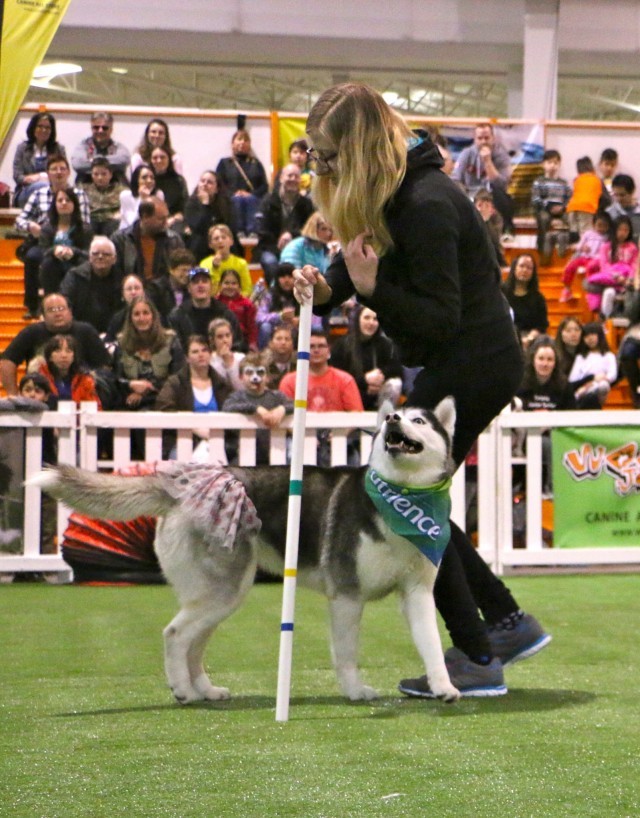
32,261
481,386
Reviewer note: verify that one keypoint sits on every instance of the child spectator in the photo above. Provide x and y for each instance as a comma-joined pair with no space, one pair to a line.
280,356
221,242
584,201
625,202
614,269
277,306
607,167
67,379
181,261
243,308
483,200
224,360
35,386
549,197
254,398
594,369
103,194
587,251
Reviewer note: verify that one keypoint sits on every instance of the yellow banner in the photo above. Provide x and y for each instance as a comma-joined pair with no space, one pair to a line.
27,28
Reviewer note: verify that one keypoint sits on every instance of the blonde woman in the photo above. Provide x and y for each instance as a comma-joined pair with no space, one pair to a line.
312,245
415,252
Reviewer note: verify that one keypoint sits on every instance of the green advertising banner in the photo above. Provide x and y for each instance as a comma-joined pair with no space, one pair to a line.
596,487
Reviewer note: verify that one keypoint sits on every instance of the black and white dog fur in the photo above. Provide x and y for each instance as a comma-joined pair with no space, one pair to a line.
346,550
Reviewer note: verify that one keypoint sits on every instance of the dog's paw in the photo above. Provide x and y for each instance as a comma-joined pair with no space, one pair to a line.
447,693
187,696
215,694
362,693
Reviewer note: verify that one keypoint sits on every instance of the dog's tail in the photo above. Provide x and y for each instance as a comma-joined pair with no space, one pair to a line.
106,496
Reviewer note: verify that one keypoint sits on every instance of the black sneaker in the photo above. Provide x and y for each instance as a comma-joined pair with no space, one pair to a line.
472,680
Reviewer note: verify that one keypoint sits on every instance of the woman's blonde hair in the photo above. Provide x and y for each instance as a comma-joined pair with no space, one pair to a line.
310,229
370,140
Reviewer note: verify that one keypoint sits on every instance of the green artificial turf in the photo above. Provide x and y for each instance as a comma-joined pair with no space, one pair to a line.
88,727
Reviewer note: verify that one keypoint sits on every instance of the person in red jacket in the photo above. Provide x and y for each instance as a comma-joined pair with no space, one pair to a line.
67,379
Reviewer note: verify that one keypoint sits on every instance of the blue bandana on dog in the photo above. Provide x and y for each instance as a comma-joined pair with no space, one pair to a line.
419,515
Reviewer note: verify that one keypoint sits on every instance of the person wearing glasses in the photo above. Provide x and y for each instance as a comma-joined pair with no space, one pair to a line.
416,252
269,407
93,288
57,318
100,143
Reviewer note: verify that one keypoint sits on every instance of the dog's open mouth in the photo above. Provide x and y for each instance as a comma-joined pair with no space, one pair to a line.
395,442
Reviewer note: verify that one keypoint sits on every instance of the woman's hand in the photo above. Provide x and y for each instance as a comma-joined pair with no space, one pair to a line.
141,387
374,379
63,253
362,264
308,283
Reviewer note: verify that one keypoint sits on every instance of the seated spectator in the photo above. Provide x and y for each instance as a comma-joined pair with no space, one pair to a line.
132,287
31,219
143,248
196,387
629,353
607,166
57,320
254,398
587,251
281,216
280,357
68,379
367,354
625,203
277,306
585,199
146,355
181,261
224,360
311,246
330,390
172,185
244,177
195,314
243,308
544,388
100,143
156,135
614,270
567,341
93,287
64,240
143,187
30,158
298,156
103,194
486,164
550,195
594,370
35,386
207,207
221,242
483,200
527,303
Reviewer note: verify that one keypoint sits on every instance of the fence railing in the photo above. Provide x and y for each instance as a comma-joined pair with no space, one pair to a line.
484,493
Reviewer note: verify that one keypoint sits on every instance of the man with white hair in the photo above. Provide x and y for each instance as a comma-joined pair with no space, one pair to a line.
93,288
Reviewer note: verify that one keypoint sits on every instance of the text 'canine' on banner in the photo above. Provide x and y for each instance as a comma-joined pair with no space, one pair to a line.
596,486
26,29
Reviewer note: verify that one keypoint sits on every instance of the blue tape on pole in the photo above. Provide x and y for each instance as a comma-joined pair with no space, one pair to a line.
302,355
286,626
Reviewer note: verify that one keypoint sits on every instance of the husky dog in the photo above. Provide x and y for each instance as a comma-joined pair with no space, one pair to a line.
348,551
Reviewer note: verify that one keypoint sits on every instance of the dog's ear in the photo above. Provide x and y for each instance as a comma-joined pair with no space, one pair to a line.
445,411
385,408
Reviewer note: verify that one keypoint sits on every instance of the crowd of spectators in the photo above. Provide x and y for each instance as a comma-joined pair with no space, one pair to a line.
141,296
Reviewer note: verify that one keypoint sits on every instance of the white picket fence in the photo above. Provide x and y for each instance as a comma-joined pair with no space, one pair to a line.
78,432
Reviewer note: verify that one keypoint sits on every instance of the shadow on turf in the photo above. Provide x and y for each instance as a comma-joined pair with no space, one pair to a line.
518,700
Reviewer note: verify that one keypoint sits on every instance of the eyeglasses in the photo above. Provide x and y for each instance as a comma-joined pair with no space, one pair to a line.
100,127
260,371
56,309
321,156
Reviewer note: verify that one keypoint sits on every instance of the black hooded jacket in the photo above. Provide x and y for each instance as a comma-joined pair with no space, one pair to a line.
437,293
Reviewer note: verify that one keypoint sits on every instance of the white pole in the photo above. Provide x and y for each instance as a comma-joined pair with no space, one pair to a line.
293,516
